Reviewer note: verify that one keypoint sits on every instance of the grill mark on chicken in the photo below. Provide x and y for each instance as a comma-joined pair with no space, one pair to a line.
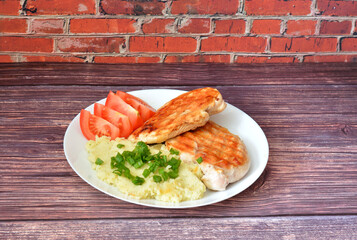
225,159
184,113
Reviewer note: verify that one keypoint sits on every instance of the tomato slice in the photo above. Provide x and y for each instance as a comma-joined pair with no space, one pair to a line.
84,123
145,110
116,118
98,109
116,103
92,125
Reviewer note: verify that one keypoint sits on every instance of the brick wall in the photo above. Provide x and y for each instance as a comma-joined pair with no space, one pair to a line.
153,31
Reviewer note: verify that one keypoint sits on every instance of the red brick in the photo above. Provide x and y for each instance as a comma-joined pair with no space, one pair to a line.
331,58
337,7
158,25
194,25
17,25
239,44
132,7
60,7
257,59
198,58
47,26
301,27
5,59
102,26
52,59
92,44
126,59
162,44
26,44
349,44
278,7
270,26
230,26
335,27
205,7
312,44
10,7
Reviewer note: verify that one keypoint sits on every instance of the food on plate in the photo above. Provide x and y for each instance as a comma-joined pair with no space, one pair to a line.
116,103
222,155
162,177
117,118
211,156
183,113
92,126
145,110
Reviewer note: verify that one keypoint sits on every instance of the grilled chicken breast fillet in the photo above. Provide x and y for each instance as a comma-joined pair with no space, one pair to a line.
225,159
183,113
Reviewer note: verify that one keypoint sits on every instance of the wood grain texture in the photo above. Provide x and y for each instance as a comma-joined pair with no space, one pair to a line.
308,112
176,74
312,169
321,227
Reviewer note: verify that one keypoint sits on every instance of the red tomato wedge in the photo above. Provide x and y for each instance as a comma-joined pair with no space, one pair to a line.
145,110
92,125
116,118
116,103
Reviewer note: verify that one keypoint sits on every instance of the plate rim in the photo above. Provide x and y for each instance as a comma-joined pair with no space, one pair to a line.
258,173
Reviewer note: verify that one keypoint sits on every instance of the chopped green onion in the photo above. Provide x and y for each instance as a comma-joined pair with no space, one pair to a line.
199,160
138,180
157,178
174,151
120,145
172,174
146,173
99,161
165,176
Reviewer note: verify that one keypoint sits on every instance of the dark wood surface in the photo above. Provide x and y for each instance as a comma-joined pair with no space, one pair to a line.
307,191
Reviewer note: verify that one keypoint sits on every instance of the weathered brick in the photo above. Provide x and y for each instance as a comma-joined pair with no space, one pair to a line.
312,44
91,44
237,44
331,58
52,59
230,26
349,44
205,7
278,7
301,27
158,25
266,26
194,25
26,44
337,7
102,25
162,44
258,59
335,27
10,7
126,59
60,7
16,25
218,58
132,7
5,59
47,26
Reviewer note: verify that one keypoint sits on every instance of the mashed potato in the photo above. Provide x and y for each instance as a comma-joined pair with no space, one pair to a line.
187,186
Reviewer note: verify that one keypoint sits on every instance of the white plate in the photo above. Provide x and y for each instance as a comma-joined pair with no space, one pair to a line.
232,118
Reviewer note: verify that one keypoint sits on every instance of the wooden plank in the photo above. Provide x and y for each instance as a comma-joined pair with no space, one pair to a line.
320,120
292,184
320,227
176,74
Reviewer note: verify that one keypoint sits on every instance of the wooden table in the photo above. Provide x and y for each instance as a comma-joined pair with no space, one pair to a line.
307,191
